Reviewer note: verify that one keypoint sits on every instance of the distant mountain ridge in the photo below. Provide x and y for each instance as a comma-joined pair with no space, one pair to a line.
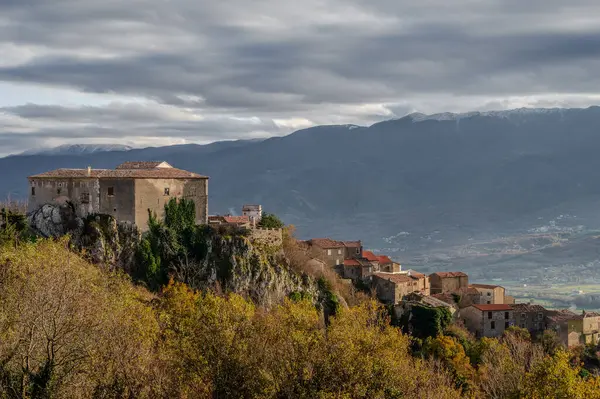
78,149
438,179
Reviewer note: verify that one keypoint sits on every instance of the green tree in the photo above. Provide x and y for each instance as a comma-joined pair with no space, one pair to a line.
270,221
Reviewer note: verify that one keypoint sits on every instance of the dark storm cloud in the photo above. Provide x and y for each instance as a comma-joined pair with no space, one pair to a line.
273,60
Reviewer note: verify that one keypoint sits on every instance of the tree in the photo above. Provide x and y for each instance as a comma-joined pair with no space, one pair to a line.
270,221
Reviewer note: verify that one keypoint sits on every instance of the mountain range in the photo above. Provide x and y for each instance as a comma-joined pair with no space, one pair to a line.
407,185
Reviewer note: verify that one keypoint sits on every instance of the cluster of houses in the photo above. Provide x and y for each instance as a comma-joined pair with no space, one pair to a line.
483,309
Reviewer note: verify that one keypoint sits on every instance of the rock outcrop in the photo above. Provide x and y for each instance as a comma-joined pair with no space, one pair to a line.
100,237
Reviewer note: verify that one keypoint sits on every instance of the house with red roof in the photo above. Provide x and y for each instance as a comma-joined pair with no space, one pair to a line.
488,320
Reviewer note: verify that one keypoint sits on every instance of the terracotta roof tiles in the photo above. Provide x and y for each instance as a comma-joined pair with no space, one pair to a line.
384,260
370,256
236,219
449,274
525,307
158,173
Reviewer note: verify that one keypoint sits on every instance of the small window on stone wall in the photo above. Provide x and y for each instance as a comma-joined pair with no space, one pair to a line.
85,198
33,191
166,190
58,190
111,191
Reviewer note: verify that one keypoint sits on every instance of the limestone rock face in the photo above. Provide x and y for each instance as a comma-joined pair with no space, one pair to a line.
100,237
234,264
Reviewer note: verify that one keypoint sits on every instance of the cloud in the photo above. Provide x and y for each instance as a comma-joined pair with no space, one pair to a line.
209,70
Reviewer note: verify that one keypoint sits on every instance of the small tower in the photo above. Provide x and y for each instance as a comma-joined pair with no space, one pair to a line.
254,213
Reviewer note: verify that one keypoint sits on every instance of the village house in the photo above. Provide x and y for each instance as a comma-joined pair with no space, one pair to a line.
357,269
387,265
126,193
490,294
558,321
392,287
530,317
583,329
334,252
487,320
448,282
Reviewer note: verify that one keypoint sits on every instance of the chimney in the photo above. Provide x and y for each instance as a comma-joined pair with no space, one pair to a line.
89,171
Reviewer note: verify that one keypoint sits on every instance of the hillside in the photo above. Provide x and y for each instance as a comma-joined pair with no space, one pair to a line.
454,176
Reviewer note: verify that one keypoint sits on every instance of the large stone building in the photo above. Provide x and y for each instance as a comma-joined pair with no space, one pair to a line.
490,294
487,320
126,193
448,282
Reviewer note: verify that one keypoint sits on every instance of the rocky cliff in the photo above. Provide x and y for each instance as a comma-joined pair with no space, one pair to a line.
99,237
208,258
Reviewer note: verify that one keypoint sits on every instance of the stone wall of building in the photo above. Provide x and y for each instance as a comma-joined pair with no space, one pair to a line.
117,199
153,194
83,193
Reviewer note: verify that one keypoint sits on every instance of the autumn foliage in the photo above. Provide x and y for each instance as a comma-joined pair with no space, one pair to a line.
69,329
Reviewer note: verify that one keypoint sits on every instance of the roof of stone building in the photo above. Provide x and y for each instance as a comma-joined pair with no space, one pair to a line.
143,165
236,219
528,308
370,256
157,173
326,243
561,315
329,243
396,278
384,260
416,274
492,307
351,262
485,286
449,274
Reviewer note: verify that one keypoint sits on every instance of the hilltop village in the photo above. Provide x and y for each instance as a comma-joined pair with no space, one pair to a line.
132,189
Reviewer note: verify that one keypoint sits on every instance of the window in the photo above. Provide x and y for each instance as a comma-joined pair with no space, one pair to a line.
58,190
166,190
489,315
339,251
540,316
85,198
111,191
506,325
522,325
337,261
33,191
489,294
329,252
523,316
506,315
357,250
493,325
488,302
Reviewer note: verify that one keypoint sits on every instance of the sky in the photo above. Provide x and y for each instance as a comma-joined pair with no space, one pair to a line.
160,72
